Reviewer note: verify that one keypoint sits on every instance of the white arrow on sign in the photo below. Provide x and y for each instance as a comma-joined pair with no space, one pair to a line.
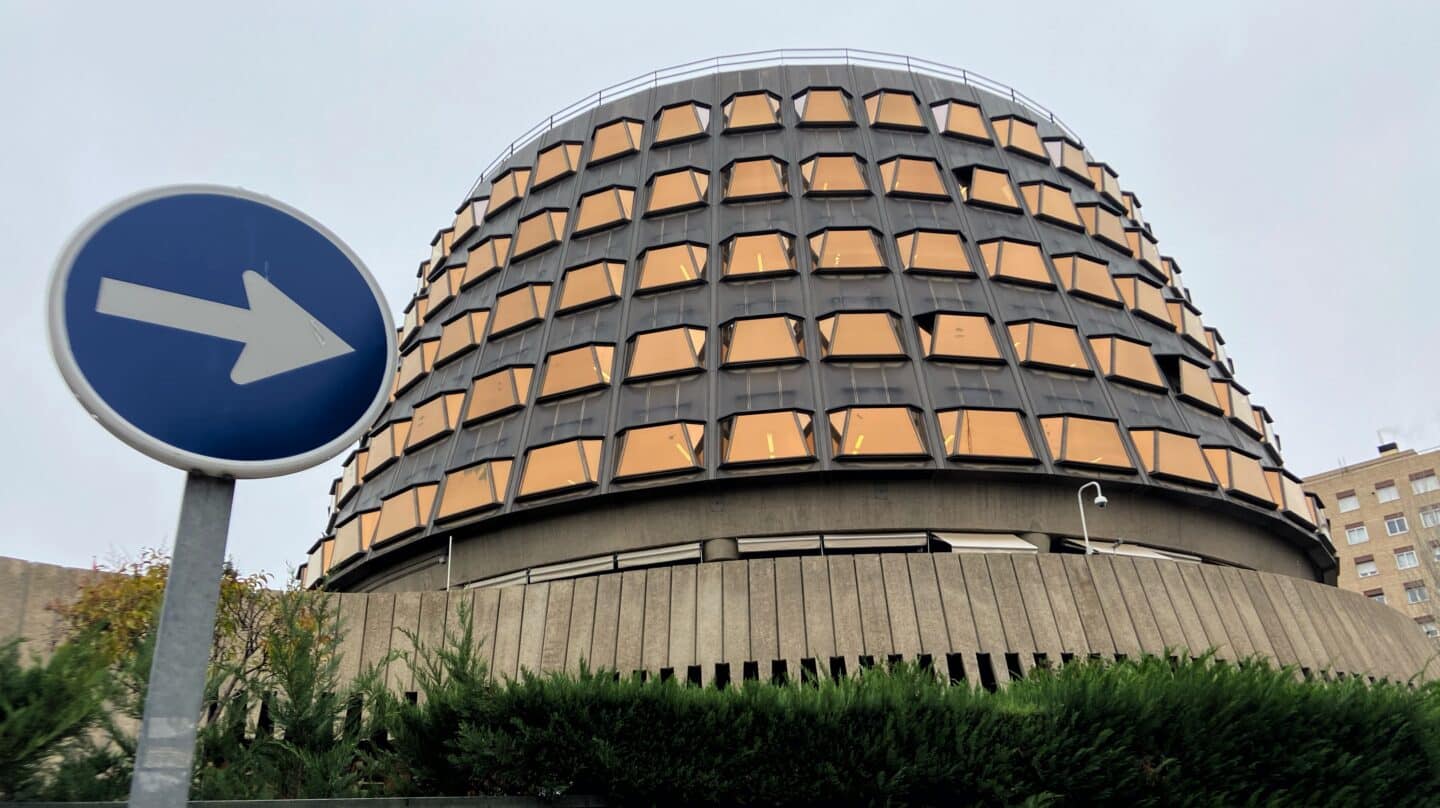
279,336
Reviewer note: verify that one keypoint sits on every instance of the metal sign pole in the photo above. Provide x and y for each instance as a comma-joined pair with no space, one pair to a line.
166,749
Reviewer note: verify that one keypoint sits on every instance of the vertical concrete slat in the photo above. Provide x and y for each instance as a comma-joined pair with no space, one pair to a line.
955,600
45,585
1056,585
532,627
874,613
557,626
1305,656
582,624
737,614
508,624
929,610
1138,606
1013,616
404,630
607,622
1228,579
709,617
1112,600
1147,571
790,611
764,623
484,623
1043,626
655,648
1091,609
1327,620
682,618
1319,646
431,632
629,635
845,603
351,614
1206,611
14,589
900,603
989,629
379,614
819,616
1260,602
1235,623
1196,641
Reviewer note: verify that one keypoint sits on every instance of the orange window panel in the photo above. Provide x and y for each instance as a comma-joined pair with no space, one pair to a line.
1172,455
964,337
576,370
434,419
1127,361
674,265
319,562
354,536
912,177
615,139
1016,261
1236,405
539,231
894,109
846,250
507,189
1051,203
1048,345
1187,321
1195,385
350,474
404,513
984,434
554,163
590,285
860,432
1144,248
679,190
519,308
499,392
485,259
749,111
1144,298
1105,226
1295,502
415,363
860,335
1020,136
824,107
474,488
386,446
661,449
666,353
603,209
1239,474
1107,182
833,174
757,178
987,187
443,289
561,467
768,437
962,120
933,251
440,246
759,254
1070,159
468,218
1086,277
461,333
414,316
762,340
681,122
1075,440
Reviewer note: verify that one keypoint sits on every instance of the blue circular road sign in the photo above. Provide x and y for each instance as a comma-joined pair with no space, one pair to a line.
221,331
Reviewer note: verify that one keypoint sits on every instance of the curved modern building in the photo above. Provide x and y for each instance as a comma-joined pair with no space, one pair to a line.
819,312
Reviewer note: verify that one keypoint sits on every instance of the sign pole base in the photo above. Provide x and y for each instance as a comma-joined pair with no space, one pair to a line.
166,749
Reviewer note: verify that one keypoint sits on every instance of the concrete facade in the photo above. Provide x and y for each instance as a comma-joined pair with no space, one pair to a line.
1368,531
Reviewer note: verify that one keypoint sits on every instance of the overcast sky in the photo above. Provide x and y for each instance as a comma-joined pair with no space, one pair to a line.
1285,154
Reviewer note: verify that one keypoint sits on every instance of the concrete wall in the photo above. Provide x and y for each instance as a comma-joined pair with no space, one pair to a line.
27,591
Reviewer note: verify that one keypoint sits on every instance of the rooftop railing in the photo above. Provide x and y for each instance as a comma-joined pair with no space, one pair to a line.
768,58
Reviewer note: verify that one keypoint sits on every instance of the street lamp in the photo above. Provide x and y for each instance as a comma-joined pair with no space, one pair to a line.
1100,502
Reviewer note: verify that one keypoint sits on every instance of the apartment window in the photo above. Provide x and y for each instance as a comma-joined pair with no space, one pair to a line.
1085,441
669,352
507,189
750,111
497,393
767,437
1377,595
933,251
824,107
681,122
1169,454
1366,568
961,337
1357,534
674,191
846,250
758,255
540,231
860,335
670,266
1048,345
661,449
987,187
1430,516
1020,136
577,370
1017,261
615,139
1051,203
893,109
602,209
1127,361
833,174
912,177
1395,524
1424,483
590,285
1406,559
762,340
474,488
1087,277
1347,502
960,119
1429,627
859,432
557,162
1415,592
984,435
754,179
1386,492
